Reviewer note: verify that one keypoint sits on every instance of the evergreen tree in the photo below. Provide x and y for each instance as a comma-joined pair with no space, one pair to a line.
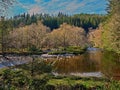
85,21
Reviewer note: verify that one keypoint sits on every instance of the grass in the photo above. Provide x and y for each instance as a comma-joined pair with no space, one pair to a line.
92,83
57,82
89,84
33,50
70,82
69,50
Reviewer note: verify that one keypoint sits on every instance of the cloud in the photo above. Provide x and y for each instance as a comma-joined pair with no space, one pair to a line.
55,6
65,6
34,10
73,6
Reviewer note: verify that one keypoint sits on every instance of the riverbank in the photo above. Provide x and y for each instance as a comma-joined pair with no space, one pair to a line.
38,75
80,83
17,58
94,63
22,79
76,50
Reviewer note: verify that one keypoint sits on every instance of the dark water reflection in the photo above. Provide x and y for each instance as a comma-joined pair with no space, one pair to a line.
107,63
110,65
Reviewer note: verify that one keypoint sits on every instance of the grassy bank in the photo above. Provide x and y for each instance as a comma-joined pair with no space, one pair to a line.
17,79
68,50
78,83
76,50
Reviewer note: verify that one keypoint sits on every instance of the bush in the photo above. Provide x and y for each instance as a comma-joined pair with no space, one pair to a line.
50,87
14,78
38,84
59,77
63,87
40,67
75,78
79,87
56,52
34,50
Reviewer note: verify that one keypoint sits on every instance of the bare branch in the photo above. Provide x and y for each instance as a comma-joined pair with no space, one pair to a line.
5,5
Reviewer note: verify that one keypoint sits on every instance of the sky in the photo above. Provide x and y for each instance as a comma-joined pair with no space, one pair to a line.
56,6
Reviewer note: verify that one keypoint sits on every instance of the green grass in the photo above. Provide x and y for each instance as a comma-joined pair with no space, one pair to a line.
89,84
69,50
18,78
68,82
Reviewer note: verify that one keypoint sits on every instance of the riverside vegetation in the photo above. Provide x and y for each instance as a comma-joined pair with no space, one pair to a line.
40,77
60,34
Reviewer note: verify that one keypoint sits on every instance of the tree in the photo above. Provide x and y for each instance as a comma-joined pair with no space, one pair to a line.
111,33
28,36
95,37
5,27
5,5
85,21
67,35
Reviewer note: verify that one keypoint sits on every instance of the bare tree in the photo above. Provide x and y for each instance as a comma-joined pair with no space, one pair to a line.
28,36
4,6
67,35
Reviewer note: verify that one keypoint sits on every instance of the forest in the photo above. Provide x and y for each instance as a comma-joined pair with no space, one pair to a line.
85,21
23,32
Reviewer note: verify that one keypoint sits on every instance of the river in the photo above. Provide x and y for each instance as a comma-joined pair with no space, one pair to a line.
93,63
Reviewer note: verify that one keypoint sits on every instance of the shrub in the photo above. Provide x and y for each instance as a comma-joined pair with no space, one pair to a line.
38,84
50,87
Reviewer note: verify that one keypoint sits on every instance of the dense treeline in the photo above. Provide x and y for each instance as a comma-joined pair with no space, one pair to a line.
85,21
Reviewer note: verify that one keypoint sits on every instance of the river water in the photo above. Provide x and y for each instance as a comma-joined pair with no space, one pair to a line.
94,63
